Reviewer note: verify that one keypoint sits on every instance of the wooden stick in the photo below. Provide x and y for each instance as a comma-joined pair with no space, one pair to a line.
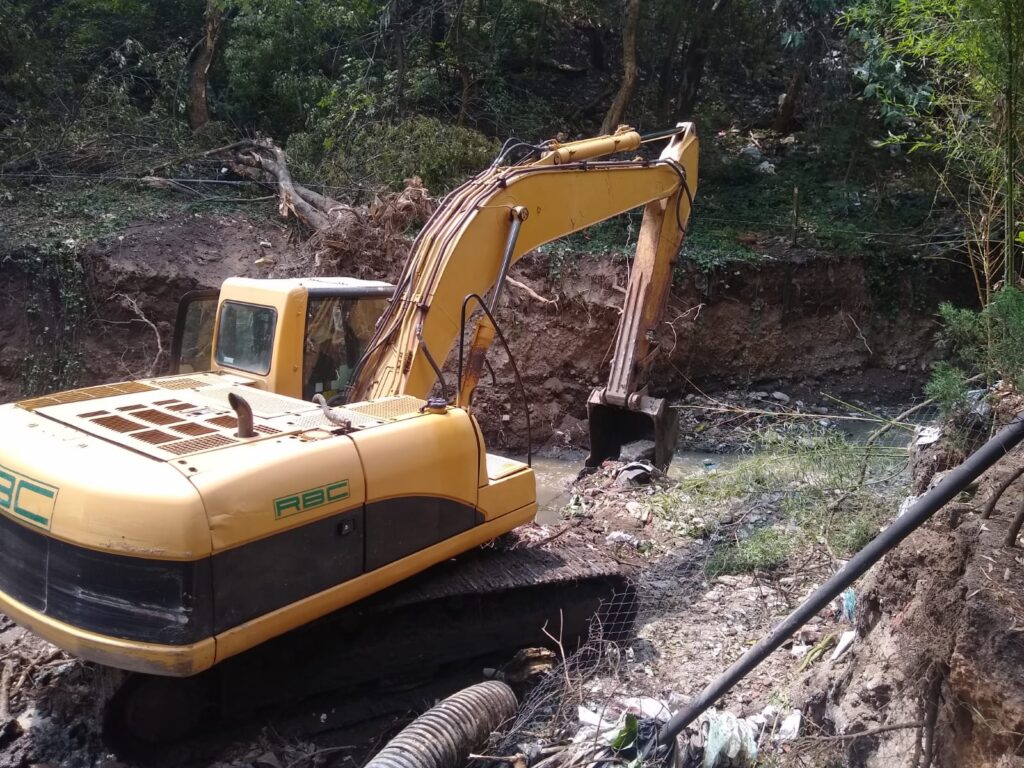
869,732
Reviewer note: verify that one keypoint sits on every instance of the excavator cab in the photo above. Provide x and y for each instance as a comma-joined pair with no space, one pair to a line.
249,327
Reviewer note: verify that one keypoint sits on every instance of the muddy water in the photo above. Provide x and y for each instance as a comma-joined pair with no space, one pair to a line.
556,474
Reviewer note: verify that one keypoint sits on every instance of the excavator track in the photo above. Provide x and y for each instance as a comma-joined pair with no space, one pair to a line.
488,601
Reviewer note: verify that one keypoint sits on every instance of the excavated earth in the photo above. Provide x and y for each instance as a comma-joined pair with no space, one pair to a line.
940,641
798,318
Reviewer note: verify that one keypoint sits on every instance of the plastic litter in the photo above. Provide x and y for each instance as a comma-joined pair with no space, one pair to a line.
729,741
635,473
799,650
928,435
976,399
849,598
906,504
790,727
844,642
621,537
647,707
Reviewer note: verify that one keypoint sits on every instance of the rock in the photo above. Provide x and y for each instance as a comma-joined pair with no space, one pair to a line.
554,385
782,397
766,168
751,152
639,450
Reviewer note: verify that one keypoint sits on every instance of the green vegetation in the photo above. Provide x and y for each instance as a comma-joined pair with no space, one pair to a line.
765,550
819,490
989,342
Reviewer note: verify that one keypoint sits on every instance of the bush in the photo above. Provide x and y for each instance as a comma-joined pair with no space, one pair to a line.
948,386
990,342
385,154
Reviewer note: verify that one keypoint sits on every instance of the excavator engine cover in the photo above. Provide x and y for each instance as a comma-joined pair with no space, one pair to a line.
644,418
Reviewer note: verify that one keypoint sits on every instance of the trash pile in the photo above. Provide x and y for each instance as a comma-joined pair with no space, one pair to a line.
620,731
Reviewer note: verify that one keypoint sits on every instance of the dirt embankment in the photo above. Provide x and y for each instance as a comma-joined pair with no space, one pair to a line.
130,283
799,319
804,322
939,649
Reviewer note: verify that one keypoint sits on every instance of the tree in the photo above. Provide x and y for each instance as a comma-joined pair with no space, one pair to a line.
198,106
630,70
967,57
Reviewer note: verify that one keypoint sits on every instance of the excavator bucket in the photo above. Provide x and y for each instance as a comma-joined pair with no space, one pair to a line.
644,418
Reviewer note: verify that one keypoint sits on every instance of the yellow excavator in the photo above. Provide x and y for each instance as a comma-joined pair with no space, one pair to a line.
310,451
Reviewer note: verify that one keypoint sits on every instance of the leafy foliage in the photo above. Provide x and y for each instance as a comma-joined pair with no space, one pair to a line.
989,341
948,76
385,153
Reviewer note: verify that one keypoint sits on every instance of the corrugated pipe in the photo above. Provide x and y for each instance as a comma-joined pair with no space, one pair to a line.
926,506
444,736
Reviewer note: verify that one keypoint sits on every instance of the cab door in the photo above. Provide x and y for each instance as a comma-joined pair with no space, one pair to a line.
192,344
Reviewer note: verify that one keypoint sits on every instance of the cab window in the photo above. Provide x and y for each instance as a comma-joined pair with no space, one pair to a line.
192,343
245,336
337,332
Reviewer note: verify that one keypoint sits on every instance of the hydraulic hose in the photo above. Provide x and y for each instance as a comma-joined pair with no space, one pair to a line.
444,736
926,506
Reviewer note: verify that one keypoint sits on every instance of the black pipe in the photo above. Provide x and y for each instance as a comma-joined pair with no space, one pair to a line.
903,526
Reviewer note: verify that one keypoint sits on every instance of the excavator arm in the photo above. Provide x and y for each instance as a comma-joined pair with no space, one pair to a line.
490,222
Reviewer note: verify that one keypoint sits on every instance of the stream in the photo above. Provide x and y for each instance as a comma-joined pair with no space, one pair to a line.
555,474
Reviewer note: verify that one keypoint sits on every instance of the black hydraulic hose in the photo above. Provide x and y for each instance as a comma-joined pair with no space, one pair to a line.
508,351
666,133
903,526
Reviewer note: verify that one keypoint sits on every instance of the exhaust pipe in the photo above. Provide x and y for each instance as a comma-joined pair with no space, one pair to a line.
243,412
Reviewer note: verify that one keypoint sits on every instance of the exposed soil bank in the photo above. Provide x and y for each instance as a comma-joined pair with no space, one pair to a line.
806,322
939,646
798,319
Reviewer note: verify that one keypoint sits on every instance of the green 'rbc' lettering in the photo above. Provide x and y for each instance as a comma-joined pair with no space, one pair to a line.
310,499
29,499
313,498
6,489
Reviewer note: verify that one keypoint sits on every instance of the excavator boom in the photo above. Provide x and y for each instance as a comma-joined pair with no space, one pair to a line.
567,189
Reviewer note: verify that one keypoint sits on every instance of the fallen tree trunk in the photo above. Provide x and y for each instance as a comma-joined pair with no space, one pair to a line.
361,239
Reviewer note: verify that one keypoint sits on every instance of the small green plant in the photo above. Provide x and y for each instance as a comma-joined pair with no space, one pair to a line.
948,387
989,342
765,550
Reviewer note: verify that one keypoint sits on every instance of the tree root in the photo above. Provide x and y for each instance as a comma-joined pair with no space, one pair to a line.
997,494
